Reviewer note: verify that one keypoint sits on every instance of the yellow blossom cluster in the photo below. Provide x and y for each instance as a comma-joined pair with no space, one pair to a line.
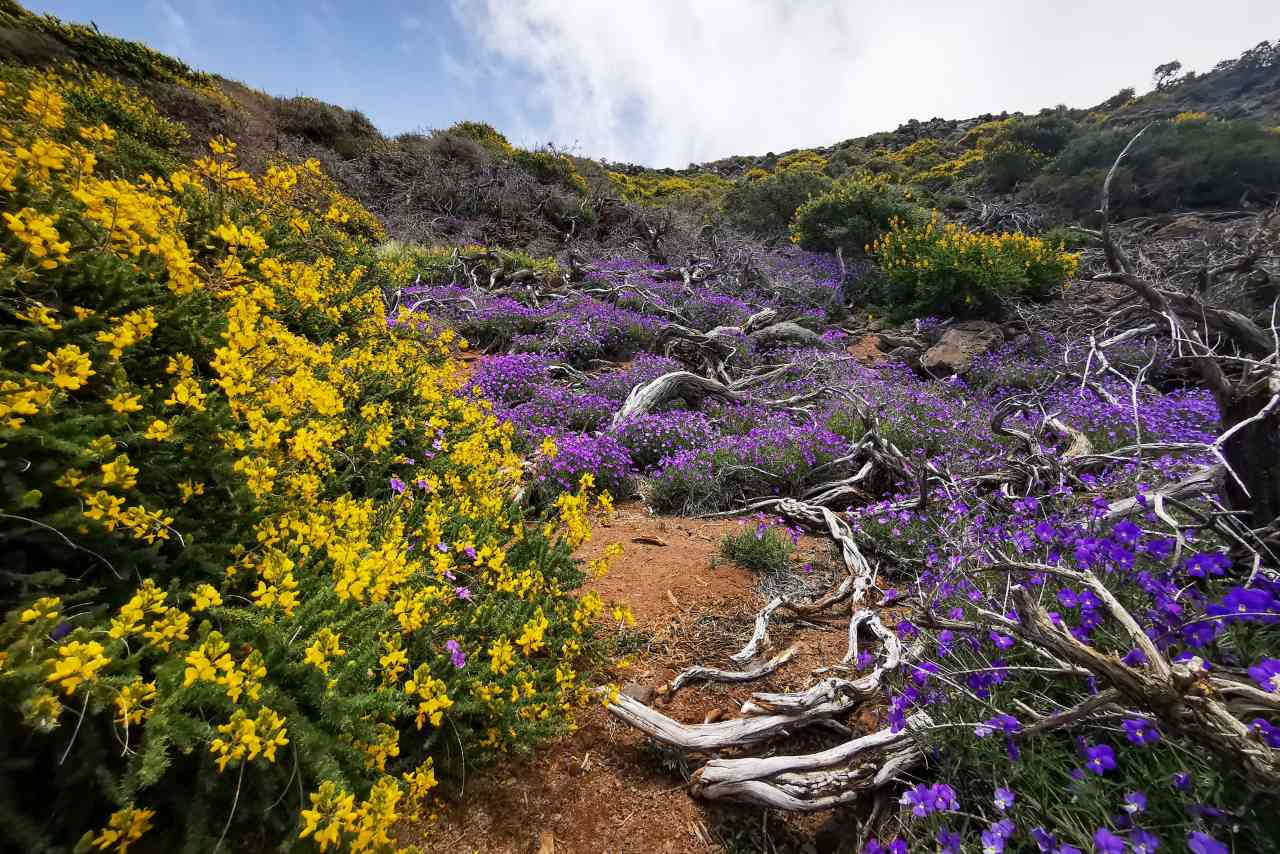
244,737
259,475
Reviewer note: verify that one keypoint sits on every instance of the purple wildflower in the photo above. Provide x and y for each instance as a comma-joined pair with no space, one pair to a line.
1267,674
1004,798
1144,842
1141,731
397,485
1202,843
1106,842
1135,802
456,655
1100,759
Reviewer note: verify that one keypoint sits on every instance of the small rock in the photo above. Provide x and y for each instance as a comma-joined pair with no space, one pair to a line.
639,693
960,344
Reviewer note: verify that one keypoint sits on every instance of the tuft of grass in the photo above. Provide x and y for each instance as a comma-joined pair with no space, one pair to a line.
761,549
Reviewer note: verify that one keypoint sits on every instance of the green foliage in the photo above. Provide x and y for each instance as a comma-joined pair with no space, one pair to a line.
851,216
804,160
1046,134
765,206
1067,237
1008,164
485,134
88,45
348,132
701,192
947,270
254,537
551,167
1194,163
763,549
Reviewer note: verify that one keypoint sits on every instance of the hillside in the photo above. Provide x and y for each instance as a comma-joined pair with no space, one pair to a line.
430,493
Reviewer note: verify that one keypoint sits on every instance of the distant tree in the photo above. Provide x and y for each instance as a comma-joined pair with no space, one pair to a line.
1165,75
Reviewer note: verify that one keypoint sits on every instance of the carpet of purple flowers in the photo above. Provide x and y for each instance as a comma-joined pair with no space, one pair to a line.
993,781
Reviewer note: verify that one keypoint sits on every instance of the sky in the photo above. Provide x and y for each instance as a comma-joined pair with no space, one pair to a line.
667,83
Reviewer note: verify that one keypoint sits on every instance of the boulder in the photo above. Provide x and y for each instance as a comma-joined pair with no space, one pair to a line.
787,332
954,354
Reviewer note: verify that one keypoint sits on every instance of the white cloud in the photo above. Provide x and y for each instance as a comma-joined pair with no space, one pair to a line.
666,82
177,32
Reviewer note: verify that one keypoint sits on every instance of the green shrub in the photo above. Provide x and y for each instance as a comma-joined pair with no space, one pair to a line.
551,167
88,45
947,270
1174,166
699,193
1067,237
485,134
763,549
1008,164
254,536
348,132
851,216
765,206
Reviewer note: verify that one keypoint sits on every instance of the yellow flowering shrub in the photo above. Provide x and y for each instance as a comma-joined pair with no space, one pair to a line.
254,537
697,191
944,269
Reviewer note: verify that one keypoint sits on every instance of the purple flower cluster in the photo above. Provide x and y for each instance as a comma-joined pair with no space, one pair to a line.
576,455
927,800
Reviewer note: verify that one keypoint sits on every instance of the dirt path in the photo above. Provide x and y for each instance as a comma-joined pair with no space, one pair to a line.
606,787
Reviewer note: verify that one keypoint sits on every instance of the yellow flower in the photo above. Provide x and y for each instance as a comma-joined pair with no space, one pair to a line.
68,367
326,646
124,403
332,813
41,238
130,702
160,431
206,596
77,663
187,392
119,473
45,106
124,828
189,489
129,330
501,656
43,609
39,314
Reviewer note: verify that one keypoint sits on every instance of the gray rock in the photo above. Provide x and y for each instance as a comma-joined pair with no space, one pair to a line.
960,344
787,332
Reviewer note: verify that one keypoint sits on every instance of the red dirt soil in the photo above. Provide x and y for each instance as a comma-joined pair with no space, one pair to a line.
605,787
